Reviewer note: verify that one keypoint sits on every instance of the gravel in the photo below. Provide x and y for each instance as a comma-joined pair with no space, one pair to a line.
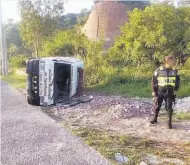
116,107
183,105
124,116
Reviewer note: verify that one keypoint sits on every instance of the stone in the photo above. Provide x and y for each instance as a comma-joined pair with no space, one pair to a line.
126,159
137,107
152,159
142,163
120,158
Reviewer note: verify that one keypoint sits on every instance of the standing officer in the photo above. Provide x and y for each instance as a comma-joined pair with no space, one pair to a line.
165,82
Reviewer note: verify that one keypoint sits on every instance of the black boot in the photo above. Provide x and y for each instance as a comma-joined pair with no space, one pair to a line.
154,120
169,125
170,119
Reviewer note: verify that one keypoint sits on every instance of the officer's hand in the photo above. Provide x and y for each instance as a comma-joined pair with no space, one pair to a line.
154,99
153,94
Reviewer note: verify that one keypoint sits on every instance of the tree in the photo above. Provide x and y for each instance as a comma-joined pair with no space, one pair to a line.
67,21
60,44
12,34
14,41
66,43
75,44
31,27
38,21
83,16
136,4
12,49
152,34
51,8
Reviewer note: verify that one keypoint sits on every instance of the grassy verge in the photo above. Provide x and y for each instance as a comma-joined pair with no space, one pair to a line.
133,89
183,116
132,147
177,117
15,80
128,89
184,91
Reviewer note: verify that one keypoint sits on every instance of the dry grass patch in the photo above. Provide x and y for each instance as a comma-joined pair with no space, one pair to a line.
134,148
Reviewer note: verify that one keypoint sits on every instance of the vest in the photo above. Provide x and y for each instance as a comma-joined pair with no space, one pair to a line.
166,76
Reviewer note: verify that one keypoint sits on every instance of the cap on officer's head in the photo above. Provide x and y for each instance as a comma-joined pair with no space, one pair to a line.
170,61
169,58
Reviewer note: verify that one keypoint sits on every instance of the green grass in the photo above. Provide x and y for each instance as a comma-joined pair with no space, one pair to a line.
134,148
128,89
176,117
133,89
15,80
183,116
184,90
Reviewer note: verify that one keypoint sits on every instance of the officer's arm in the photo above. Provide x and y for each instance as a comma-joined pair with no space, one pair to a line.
177,85
154,83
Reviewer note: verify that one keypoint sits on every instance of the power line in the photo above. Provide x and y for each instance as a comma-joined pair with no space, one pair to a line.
4,59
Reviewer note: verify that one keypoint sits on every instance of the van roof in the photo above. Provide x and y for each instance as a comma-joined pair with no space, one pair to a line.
66,59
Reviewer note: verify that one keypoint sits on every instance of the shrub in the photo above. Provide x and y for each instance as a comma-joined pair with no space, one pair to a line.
151,34
130,74
18,61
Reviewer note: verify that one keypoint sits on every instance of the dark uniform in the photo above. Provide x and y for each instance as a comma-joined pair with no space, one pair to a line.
165,82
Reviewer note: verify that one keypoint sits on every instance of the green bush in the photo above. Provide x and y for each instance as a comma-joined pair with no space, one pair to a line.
184,71
130,74
151,34
18,61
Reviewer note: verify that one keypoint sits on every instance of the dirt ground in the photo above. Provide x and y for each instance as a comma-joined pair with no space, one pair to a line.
125,116
131,116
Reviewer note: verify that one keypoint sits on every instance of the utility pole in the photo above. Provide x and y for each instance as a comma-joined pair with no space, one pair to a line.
4,59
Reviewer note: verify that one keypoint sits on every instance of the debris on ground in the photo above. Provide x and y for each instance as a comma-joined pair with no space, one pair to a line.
142,163
183,105
154,160
120,158
122,115
127,116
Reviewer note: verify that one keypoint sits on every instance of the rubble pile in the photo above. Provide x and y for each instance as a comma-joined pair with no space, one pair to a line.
116,107
123,115
183,105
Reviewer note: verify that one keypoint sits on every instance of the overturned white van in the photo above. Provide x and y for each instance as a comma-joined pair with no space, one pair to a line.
54,79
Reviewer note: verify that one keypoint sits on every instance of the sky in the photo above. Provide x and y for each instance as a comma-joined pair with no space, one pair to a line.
10,8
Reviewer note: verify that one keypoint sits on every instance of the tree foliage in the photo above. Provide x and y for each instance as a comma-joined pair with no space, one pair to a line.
64,43
51,8
69,20
147,37
152,34
12,34
14,42
136,4
38,21
83,16
18,61
73,43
